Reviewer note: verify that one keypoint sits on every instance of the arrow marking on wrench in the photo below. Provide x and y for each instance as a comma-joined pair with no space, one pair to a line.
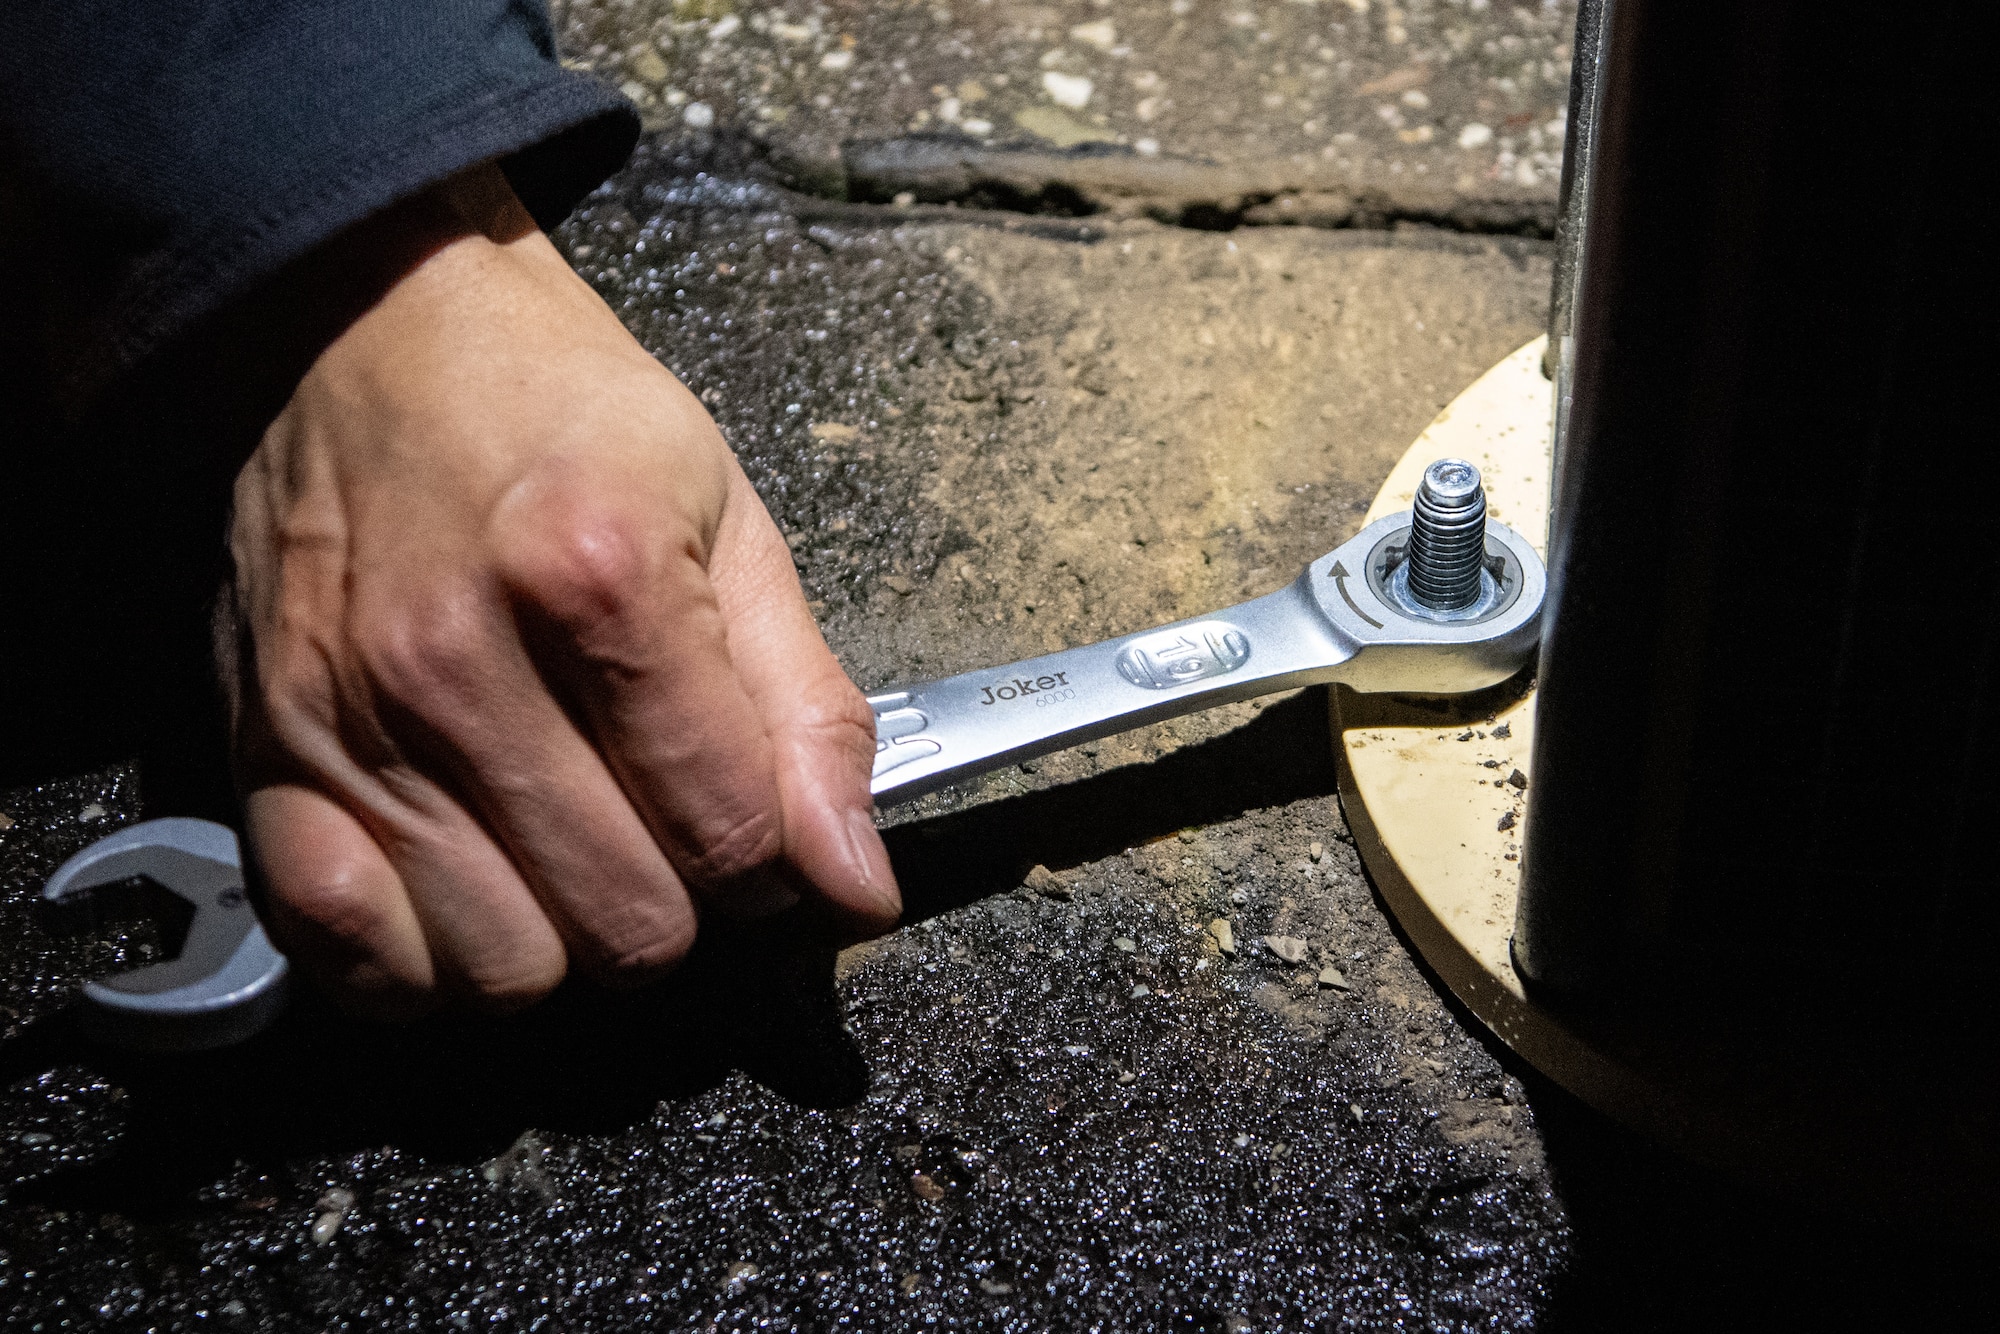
1340,577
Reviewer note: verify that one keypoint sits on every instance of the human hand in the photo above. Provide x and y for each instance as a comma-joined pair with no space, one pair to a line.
524,675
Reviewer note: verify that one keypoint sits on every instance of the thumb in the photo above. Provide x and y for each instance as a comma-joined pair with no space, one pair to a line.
821,729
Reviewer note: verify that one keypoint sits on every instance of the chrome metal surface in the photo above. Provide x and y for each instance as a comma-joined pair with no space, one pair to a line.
1335,622
228,981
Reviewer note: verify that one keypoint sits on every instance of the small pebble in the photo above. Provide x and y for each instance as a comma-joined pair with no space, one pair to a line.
1127,1077
1102,34
1504,730
1291,949
1141,990
925,1187
1330,976
1507,821
91,812
647,65
1318,850
1518,781
698,115
1125,943
1225,936
1068,90
1044,882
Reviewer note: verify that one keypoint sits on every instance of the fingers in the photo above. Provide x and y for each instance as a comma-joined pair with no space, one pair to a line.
376,879
389,918
457,673
334,904
822,731
620,607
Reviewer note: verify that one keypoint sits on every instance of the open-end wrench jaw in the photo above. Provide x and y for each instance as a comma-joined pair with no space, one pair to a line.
227,983
1348,618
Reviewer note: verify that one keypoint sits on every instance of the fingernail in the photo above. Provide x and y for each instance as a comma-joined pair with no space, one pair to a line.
870,861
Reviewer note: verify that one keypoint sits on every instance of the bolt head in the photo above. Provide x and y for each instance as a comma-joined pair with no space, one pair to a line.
1451,483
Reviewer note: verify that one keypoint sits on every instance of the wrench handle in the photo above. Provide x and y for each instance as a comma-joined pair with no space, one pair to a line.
939,732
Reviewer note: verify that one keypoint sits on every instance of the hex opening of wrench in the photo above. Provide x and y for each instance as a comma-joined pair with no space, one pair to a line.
227,983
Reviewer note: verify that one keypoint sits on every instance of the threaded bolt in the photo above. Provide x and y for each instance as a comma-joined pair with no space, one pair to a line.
1448,537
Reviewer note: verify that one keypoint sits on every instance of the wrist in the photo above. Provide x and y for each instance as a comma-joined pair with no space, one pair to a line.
238,373
473,211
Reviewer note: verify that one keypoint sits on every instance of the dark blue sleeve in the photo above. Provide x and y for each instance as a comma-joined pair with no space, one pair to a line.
171,154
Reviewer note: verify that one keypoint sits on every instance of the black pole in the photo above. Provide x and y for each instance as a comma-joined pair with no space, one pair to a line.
1766,776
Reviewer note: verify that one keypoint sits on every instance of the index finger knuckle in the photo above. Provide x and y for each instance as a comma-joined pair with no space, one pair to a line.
583,561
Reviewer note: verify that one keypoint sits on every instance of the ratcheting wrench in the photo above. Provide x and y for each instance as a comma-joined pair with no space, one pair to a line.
1342,620
1348,619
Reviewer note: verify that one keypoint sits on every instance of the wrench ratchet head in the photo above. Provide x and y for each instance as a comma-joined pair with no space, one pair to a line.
1407,649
